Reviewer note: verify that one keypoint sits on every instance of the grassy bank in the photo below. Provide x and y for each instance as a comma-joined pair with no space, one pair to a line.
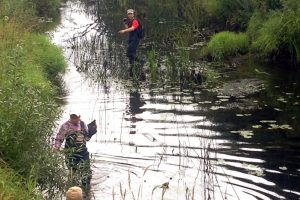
30,68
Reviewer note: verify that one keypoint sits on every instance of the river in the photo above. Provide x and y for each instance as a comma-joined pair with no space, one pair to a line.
164,142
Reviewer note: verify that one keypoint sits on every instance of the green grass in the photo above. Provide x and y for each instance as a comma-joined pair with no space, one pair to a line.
227,43
278,32
30,70
14,187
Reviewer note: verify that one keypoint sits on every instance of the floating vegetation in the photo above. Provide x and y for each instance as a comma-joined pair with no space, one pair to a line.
224,100
257,126
281,99
283,168
278,109
258,173
205,102
283,127
221,161
217,107
268,121
223,97
247,134
243,115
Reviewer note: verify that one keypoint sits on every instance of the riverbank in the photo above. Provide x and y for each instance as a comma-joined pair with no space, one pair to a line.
30,70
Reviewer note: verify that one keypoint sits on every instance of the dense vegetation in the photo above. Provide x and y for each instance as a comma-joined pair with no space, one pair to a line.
273,26
30,68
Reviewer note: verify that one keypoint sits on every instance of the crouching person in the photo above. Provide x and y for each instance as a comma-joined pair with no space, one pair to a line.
75,133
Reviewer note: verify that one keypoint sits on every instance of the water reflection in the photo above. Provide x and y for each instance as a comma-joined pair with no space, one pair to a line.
134,108
190,144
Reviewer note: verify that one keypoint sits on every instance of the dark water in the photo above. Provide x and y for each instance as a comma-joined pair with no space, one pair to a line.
179,144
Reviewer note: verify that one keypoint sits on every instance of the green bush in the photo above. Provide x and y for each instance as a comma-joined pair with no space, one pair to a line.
27,115
227,43
29,68
277,33
47,8
14,187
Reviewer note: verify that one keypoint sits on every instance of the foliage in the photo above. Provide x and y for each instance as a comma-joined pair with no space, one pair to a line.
30,67
13,187
227,43
278,32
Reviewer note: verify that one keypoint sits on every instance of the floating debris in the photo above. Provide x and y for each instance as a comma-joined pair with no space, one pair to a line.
278,109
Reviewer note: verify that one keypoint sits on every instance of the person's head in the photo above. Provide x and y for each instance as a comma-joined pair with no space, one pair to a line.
130,13
74,193
75,119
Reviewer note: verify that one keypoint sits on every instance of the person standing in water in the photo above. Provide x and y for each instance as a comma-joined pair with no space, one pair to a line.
132,26
76,133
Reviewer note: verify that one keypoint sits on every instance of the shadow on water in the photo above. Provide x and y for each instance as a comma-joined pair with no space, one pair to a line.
169,142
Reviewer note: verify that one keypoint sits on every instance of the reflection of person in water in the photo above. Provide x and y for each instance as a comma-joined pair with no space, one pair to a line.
134,107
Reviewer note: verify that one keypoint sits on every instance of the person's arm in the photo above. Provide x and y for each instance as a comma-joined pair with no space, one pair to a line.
134,26
85,129
60,137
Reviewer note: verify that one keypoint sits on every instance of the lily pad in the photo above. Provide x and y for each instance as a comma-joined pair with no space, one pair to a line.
284,168
268,121
224,100
258,173
217,107
286,126
244,133
282,100
278,109
257,126
223,97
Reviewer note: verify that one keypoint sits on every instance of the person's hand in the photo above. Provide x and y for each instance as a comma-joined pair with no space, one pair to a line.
122,31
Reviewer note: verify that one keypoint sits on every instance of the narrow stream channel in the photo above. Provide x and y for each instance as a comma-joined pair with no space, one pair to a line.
171,143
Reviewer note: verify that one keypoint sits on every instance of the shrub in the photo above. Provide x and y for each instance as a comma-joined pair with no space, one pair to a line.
278,33
28,111
227,43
